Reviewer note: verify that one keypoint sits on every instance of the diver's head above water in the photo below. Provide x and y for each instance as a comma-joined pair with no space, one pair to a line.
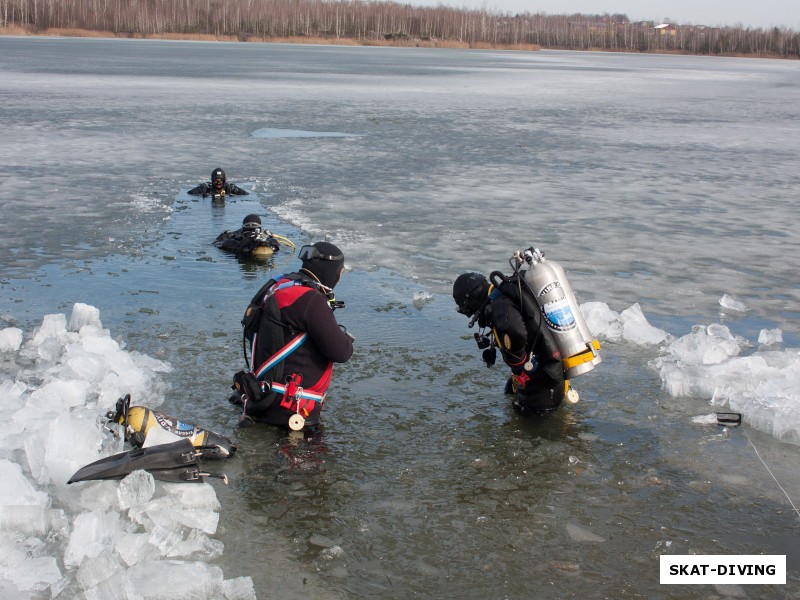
325,261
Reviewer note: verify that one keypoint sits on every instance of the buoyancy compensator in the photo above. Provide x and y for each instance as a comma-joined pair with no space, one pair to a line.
560,311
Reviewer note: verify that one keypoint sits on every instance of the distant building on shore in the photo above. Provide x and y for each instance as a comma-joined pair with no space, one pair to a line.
666,29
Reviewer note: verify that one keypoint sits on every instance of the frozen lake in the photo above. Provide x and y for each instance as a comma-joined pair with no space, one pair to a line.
665,186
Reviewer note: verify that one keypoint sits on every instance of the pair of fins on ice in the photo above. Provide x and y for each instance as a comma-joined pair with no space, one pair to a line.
163,446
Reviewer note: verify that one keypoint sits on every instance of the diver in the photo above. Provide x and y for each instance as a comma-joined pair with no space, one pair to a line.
249,241
218,187
526,345
293,339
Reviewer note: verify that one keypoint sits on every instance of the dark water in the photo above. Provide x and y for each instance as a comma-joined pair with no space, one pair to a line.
423,483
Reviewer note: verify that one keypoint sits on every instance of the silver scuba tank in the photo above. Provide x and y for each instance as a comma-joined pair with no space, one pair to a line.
562,315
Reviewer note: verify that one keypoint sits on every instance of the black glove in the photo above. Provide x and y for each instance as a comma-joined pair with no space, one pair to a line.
490,356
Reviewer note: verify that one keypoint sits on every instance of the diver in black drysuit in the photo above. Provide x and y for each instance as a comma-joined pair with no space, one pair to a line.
218,186
526,344
304,304
244,240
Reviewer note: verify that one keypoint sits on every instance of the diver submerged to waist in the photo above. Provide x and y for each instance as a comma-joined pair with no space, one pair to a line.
251,241
293,340
532,317
218,187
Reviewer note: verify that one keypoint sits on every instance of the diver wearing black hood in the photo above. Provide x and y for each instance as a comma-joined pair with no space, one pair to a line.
526,345
305,302
217,187
248,240
324,262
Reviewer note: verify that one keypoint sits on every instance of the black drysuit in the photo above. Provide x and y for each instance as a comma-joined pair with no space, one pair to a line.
242,242
518,331
208,189
303,309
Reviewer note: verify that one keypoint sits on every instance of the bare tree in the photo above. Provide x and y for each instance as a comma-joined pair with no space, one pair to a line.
375,21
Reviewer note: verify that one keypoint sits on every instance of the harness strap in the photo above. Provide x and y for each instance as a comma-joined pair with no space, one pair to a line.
288,348
287,284
281,354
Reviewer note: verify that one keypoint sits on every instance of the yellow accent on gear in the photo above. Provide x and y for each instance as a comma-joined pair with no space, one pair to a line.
285,241
582,357
142,420
262,251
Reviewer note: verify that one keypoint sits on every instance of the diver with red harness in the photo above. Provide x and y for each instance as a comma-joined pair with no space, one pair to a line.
533,318
292,338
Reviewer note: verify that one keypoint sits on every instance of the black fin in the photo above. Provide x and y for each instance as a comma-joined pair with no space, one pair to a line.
191,474
164,456
180,475
215,451
216,446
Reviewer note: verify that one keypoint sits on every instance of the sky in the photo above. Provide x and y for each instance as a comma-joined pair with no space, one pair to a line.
748,13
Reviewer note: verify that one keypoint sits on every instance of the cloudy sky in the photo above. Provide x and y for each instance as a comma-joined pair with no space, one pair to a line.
764,13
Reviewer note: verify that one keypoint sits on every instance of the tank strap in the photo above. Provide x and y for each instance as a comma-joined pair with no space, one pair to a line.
582,357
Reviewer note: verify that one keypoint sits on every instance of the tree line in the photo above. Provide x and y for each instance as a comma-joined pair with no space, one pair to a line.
378,22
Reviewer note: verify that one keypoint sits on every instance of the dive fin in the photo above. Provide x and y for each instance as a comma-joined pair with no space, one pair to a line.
214,451
190,474
177,455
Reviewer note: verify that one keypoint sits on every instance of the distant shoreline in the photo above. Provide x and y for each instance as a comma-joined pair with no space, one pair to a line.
399,42
396,42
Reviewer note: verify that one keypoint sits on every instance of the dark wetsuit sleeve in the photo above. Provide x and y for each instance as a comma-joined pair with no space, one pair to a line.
511,334
510,327
235,190
323,329
518,335
200,190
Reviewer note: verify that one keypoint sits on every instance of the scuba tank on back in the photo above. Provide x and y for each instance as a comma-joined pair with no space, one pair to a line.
549,285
